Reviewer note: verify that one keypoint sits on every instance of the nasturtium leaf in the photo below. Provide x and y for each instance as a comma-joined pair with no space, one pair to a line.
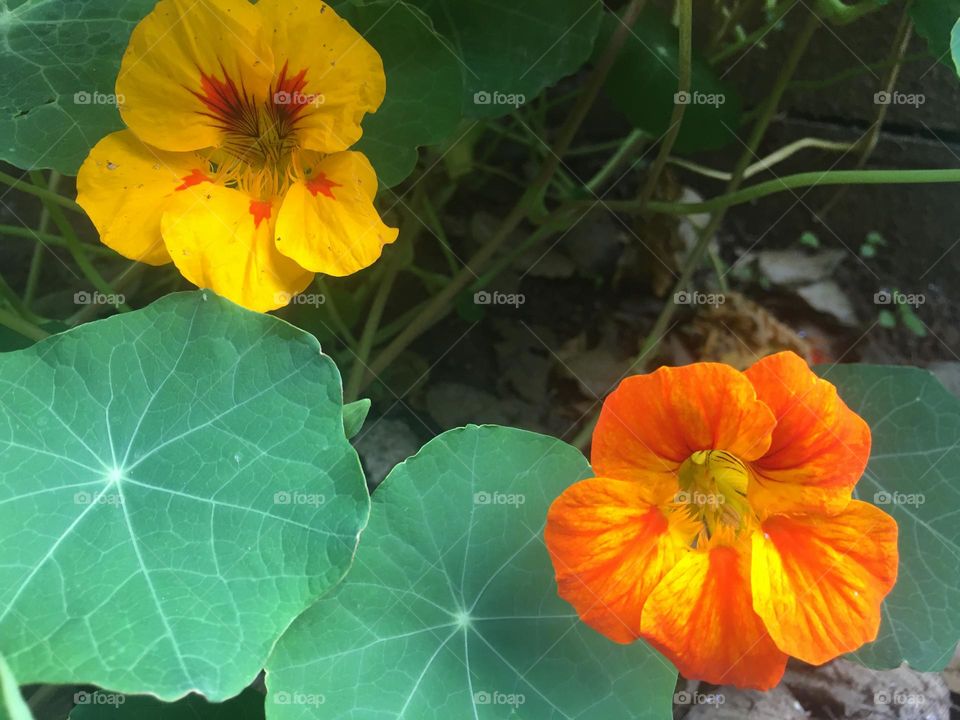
509,51
175,488
643,85
933,20
354,415
424,85
913,475
12,706
248,705
58,65
451,609
955,46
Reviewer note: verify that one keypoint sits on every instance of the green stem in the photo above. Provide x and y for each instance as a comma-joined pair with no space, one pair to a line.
663,322
330,304
76,248
22,326
625,148
360,364
839,13
790,182
685,8
441,303
46,238
751,39
40,191
36,261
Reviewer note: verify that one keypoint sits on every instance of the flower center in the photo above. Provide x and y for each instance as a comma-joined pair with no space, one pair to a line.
260,149
713,486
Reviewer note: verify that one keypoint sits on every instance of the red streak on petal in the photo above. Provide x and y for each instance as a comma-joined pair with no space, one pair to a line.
322,184
195,177
288,94
260,209
227,104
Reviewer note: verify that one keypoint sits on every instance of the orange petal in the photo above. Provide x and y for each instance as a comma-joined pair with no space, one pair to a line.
610,546
818,581
700,616
222,239
820,446
652,423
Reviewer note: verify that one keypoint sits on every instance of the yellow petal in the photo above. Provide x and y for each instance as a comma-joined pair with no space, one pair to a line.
343,75
124,184
171,52
328,224
222,239
819,581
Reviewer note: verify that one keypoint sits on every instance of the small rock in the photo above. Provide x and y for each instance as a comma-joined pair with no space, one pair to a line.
382,444
844,689
792,267
827,297
727,703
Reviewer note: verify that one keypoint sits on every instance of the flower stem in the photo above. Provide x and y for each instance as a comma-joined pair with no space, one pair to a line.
662,325
816,178
74,245
685,8
442,303
39,191
22,326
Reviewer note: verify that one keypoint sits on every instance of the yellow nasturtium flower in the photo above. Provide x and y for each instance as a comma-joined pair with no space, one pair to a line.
236,166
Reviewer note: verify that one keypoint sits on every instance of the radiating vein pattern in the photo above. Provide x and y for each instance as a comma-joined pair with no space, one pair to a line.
175,488
450,609
913,474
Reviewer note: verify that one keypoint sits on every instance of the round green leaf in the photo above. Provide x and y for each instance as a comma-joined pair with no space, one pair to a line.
106,706
955,46
643,86
12,706
913,475
175,488
58,65
424,86
451,608
509,51
933,20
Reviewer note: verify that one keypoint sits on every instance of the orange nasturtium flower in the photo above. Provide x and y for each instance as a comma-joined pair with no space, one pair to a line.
720,526
236,166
